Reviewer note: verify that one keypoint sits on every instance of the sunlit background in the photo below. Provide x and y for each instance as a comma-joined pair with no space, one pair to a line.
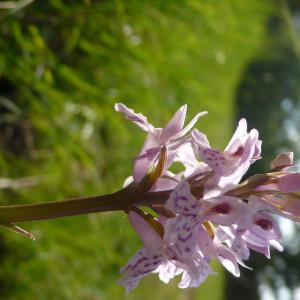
63,65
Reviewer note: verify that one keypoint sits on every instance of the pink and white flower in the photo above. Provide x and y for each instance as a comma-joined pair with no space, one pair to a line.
158,256
209,214
232,164
172,135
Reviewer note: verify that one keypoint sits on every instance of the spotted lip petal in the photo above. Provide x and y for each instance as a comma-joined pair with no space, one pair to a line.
225,210
181,233
141,264
182,201
228,166
257,230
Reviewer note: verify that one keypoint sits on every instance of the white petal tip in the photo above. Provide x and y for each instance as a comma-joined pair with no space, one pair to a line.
118,106
183,107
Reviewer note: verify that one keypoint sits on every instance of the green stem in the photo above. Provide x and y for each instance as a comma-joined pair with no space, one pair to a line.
72,207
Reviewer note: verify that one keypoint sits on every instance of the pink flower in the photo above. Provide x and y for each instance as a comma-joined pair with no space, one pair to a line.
158,256
191,212
147,259
172,135
231,165
224,210
214,249
257,230
210,214
186,233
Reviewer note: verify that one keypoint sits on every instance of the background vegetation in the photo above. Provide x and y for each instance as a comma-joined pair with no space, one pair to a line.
63,64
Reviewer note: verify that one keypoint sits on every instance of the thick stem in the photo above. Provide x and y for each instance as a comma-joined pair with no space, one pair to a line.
52,210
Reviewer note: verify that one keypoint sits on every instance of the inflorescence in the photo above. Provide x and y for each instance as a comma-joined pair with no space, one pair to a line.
209,213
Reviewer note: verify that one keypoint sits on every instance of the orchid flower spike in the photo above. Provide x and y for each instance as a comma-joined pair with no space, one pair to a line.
210,213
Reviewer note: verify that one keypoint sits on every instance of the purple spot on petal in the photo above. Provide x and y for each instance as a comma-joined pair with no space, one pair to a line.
239,151
139,261
264,224
223,208
184,239
143,272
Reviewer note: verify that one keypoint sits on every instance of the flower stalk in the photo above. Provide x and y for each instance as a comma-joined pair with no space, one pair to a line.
79,206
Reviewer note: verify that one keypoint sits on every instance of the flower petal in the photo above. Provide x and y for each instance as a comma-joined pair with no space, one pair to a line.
289,183
228,259
186,157
140,265
137,118
181,200
214,158
225,210
240,131
148,235
282,161
195,273
181,234
189,126
174,126
144,159
167,271
230,167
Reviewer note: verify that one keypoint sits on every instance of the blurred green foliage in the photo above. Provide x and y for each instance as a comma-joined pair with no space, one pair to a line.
63,64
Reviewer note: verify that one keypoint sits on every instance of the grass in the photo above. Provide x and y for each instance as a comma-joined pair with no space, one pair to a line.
62,67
